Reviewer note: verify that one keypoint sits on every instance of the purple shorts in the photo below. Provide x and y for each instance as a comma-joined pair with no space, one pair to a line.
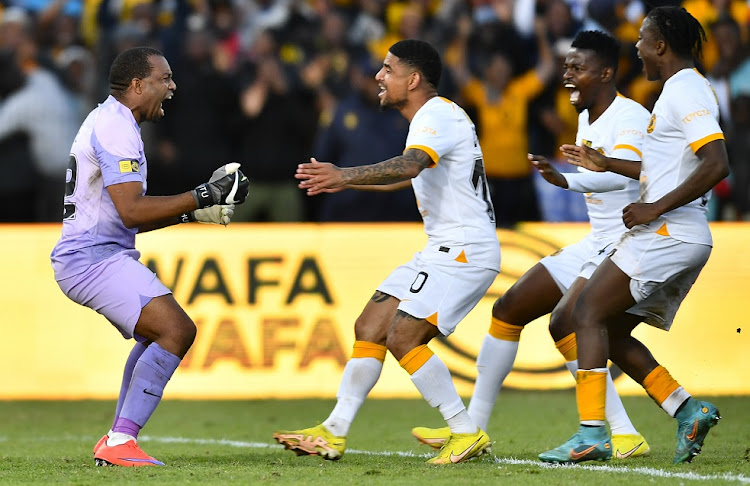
117,288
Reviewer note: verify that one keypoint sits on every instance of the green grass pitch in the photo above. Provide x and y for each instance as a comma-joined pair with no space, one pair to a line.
230,442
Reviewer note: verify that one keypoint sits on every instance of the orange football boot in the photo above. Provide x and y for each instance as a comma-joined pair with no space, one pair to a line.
127,454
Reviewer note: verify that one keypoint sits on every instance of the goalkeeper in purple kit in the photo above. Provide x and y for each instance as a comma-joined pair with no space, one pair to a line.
95,261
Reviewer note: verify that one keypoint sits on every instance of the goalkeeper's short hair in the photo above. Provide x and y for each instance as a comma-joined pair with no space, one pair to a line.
129,64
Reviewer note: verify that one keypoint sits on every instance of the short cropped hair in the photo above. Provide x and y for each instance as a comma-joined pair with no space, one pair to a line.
604,46
129,64
421,56
680,30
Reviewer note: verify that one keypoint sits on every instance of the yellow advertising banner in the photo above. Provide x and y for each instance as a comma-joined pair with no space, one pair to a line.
275,307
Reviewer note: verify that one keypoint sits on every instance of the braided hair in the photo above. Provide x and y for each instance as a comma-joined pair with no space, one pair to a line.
680,30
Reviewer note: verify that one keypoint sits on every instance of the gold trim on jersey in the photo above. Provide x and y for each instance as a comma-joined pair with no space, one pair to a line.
628,147
705,140
424,148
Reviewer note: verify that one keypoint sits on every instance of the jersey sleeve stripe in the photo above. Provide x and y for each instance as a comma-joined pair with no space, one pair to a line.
705,140
625,146
433,155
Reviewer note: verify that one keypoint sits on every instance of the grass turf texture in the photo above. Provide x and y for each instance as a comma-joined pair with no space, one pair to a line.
229,442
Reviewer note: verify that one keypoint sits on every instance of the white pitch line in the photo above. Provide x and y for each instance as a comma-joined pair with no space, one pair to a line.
646,471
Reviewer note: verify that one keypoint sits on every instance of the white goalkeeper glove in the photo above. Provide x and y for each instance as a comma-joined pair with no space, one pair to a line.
215,214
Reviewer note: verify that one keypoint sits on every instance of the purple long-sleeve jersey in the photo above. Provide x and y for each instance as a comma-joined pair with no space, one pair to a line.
107,150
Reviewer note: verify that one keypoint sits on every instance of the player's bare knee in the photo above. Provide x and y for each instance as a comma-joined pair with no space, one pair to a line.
501,308
185,335
370,331
560,325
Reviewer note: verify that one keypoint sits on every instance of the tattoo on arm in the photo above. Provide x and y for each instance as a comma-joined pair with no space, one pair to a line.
397,169
379,297
406,316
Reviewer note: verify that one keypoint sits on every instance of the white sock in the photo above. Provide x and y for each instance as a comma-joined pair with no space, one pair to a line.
674,400
494,363
117,438
434,382
617,417
461,421
360,375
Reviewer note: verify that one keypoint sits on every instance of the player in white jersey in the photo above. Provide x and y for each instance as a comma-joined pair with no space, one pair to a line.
613,125
95,261
653,266
430,294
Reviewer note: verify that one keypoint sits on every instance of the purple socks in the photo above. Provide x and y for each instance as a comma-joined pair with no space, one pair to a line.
151,373
127,375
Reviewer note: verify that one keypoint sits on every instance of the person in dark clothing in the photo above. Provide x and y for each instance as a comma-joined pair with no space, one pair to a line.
357,133
277,126
200,125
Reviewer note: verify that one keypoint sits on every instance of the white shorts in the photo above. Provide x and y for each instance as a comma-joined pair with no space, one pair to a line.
117,288
577,260
439,289
662,270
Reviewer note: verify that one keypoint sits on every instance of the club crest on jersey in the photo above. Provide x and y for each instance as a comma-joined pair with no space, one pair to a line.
651,123
589,143
129,165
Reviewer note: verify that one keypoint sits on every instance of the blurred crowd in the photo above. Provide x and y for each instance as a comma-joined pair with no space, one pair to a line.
270,83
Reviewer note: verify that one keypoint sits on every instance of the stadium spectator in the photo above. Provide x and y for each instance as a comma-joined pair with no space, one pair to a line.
707,12
501,100
15,152
203,120
312,37
614,125
739,157
358,133
277,127
429,295
95,261
44,111
653,266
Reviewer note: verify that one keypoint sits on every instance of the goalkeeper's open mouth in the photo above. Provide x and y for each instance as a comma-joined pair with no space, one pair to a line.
161,105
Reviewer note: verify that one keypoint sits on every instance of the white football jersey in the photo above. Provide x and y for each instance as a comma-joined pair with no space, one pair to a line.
684,119
617,133
452,194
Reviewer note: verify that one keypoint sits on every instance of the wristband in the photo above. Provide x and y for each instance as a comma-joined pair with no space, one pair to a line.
202,196
187,217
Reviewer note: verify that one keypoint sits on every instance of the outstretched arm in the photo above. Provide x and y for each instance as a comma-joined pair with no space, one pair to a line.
548,171
323,177
589,158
